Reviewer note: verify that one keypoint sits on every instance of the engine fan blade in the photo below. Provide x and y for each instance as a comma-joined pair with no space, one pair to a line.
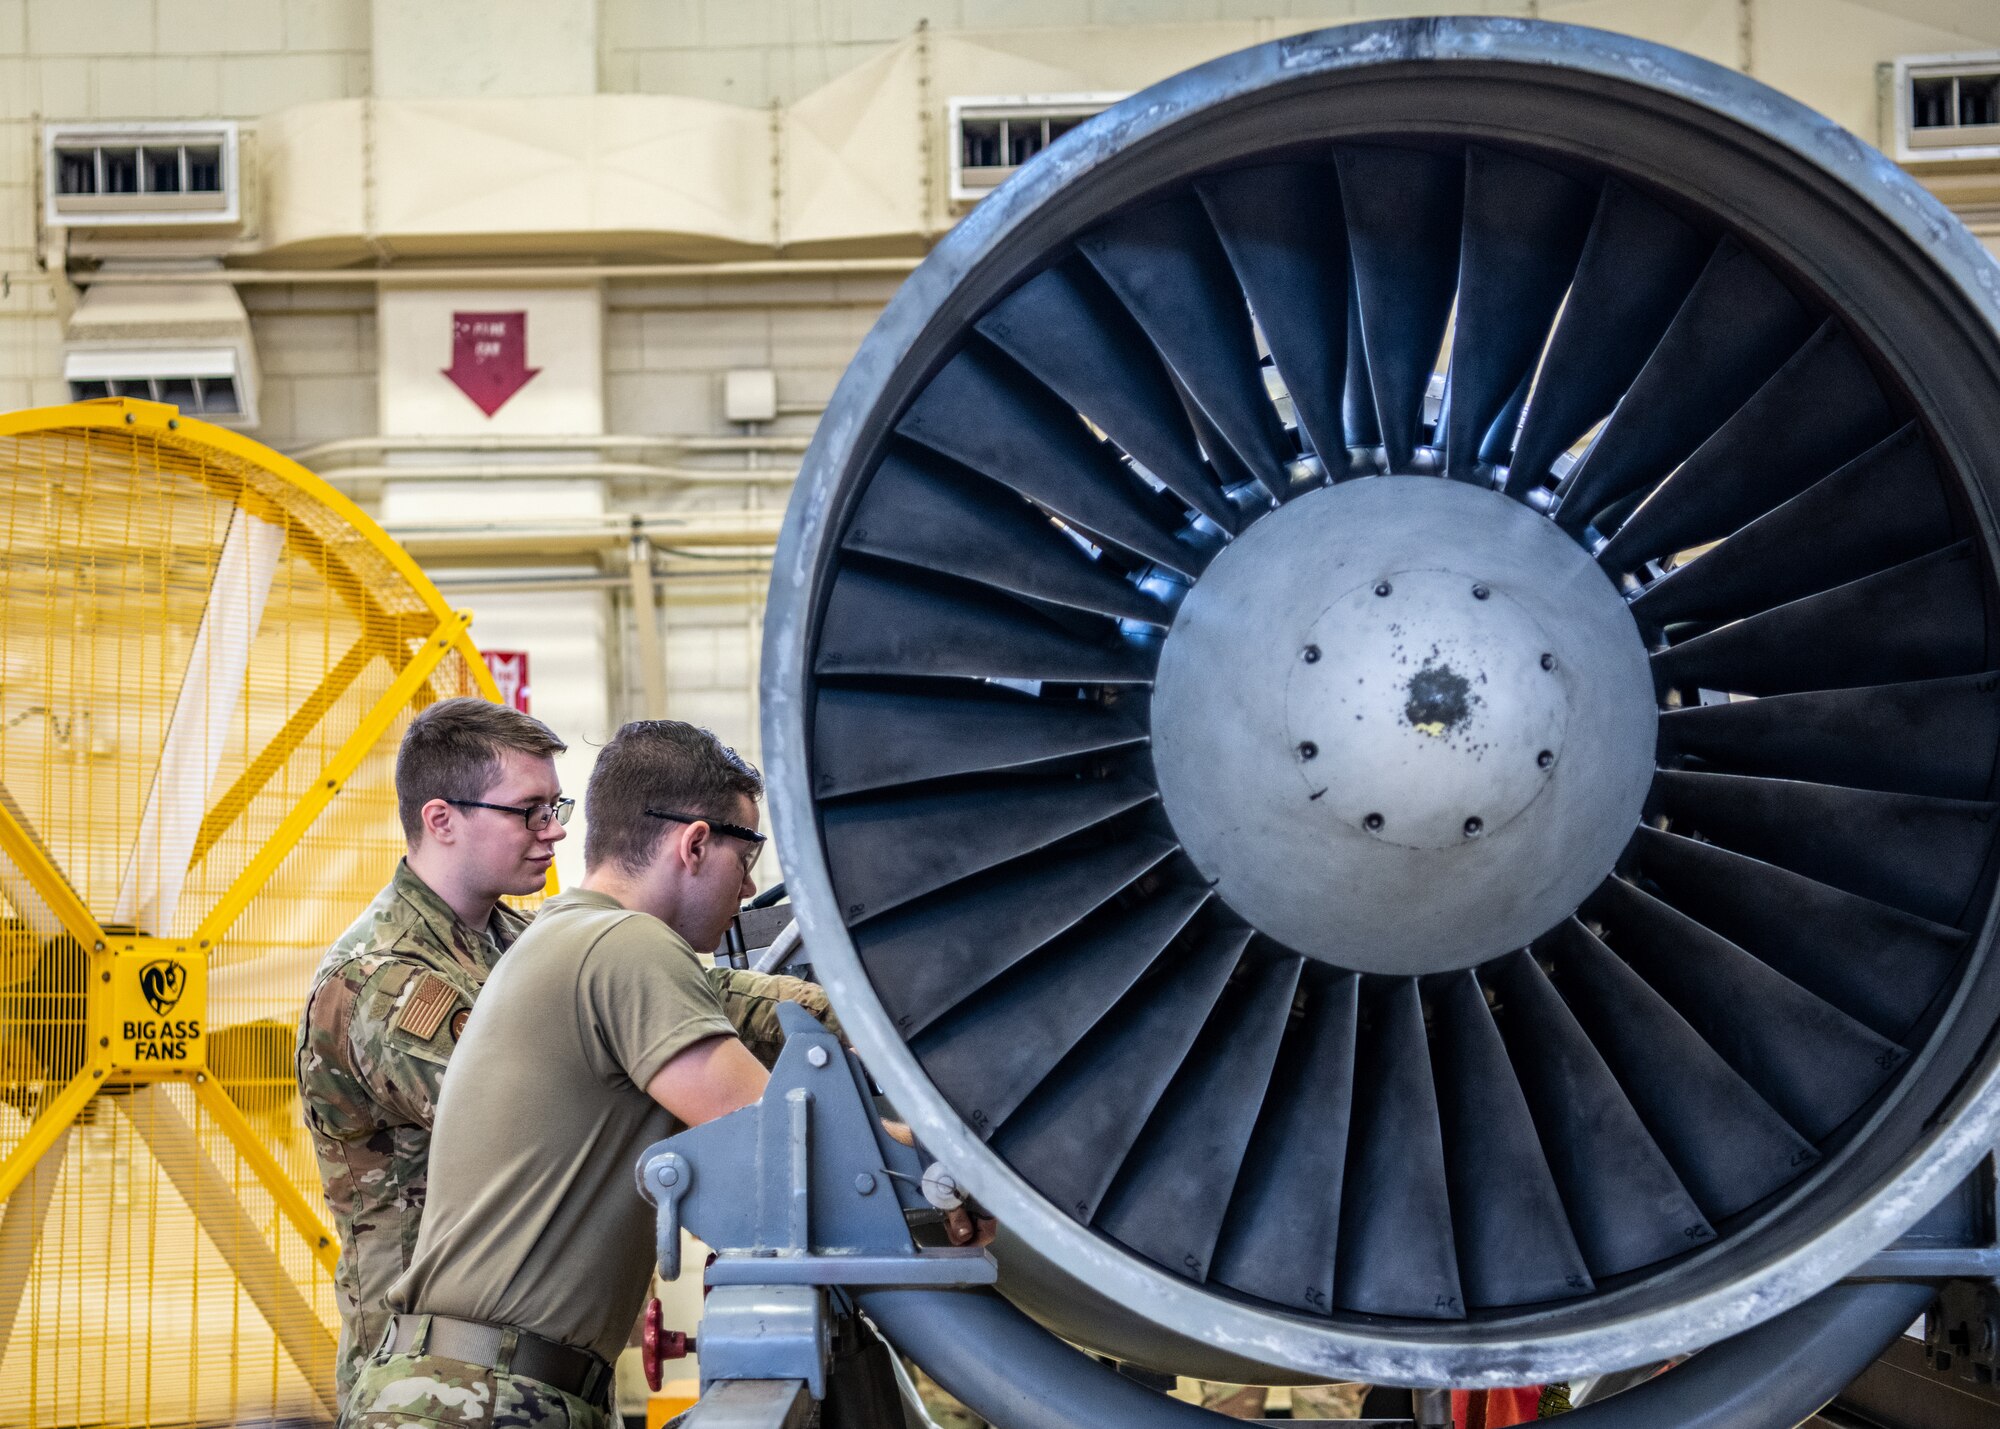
1282,229
1077,1128
986,414
1513,1236
1736,328
1357,392
878,625
1067,329
1807,1058
1922,620
996,1048
1919,854
1403,210
876,739
1170,1198
1729,1146
1881,966
1395,1253
1524,232
1279,1239
885,850
1883,508
925,959
1820,410
1933,737
1638,263
920,515
1167,266
1627,1208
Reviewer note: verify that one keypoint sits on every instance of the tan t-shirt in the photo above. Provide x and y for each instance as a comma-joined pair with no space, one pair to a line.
534,1216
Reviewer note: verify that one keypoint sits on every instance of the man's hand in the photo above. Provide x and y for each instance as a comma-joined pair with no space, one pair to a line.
962,1227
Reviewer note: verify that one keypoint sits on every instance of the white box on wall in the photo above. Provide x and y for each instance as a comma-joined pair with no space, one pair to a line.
428,336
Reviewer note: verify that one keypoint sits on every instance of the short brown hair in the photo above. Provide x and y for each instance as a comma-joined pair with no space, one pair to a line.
658,764
452,751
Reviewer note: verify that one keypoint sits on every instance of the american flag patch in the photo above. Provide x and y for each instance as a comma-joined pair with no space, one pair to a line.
427,1006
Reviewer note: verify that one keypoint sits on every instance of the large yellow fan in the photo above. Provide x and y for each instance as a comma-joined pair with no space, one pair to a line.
207,656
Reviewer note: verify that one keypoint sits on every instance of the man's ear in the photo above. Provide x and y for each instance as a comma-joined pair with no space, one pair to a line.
693,843
437,820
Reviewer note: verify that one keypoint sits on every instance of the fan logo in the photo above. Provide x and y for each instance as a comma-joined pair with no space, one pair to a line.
162,981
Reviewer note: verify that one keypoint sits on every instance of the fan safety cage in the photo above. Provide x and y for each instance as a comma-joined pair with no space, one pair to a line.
207,656
1424,295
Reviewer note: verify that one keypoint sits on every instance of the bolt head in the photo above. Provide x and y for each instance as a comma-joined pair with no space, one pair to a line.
1372,823
1474,827
1310,654
667,1175
1548,661
864,1184
1383,588
1545,759
817,1056
1480,592
1308,750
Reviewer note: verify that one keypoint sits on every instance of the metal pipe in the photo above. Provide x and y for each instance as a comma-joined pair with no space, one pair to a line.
1007,1368
460,275
646,627
544,471
577,441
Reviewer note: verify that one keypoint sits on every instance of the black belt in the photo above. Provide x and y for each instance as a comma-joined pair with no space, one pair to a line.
573,1371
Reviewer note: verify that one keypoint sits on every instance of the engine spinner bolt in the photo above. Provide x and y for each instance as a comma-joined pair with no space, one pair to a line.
1548,661
1372,823
1545,758
1382,588
1308,750
1474,826
1310,654
1480,592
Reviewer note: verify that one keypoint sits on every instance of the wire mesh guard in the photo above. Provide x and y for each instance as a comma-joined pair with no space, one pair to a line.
206,660
1785,928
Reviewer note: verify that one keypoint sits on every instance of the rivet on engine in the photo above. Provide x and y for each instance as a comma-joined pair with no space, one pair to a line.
1545,758
1474,826
1308,750
1382,588
1372,823
1310,654
1480,592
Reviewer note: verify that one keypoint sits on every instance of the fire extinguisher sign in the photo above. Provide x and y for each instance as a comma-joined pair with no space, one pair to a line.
509,669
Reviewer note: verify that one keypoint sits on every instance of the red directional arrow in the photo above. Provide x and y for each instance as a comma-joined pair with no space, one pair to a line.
489,357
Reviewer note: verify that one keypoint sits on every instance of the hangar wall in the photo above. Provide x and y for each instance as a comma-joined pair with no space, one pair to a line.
594,148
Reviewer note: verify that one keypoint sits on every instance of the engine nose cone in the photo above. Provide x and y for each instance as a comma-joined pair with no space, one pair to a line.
1404,724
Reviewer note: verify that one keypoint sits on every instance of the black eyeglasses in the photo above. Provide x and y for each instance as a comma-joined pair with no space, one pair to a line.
735,831
536,816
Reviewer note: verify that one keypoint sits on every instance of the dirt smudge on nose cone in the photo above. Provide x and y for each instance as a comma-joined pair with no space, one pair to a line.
1440,700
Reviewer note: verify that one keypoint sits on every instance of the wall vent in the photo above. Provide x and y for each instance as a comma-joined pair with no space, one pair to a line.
1946,106
992,137
101,175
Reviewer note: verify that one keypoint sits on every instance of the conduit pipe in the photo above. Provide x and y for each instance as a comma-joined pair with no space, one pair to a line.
1008,1369
462,275
320,453
543,471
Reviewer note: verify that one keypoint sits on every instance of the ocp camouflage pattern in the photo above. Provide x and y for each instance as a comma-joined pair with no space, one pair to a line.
424,1391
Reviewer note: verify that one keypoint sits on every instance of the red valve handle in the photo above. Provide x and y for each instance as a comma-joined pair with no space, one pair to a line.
658,1344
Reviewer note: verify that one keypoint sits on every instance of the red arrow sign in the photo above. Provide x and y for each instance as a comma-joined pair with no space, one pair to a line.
489,357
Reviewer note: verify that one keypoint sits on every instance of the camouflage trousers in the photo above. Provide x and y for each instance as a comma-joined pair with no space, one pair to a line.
429,1392
1309,1401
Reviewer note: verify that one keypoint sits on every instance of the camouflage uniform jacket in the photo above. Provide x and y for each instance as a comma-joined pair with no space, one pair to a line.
386,1007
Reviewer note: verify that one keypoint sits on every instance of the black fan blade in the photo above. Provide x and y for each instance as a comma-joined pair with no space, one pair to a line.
1281,227
1626,1205
886,850
1729,1146
1883,508
1736,328
1507,1218
1357,393
1070,1137
1524,231
1072,334
1496,447
927,958
1402,208
1169,1201
1279,1241
1919,854
1823,408
1395,1251
1879,965
983,413
1167,266
997,1047
1934,737
1637,266
1922,620
874,739
916,512
1807,1058
877,625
